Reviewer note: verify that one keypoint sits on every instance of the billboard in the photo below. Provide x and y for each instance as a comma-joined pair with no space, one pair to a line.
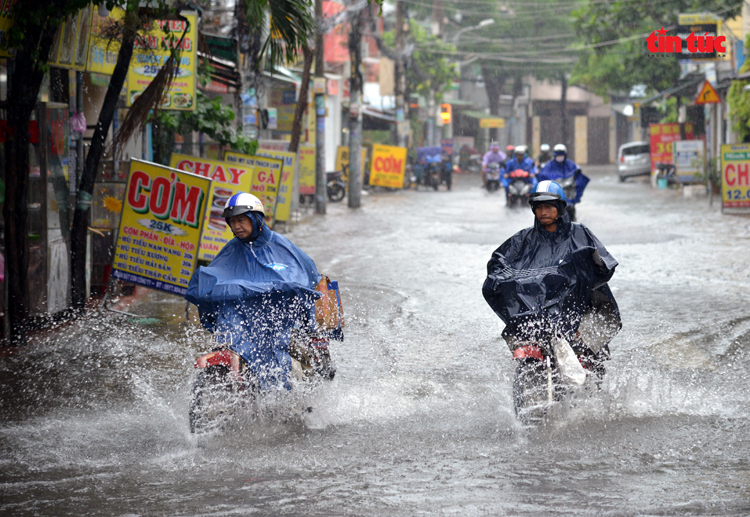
160,227
388,166
735,177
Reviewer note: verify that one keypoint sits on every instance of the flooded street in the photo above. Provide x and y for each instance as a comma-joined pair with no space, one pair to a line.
419,419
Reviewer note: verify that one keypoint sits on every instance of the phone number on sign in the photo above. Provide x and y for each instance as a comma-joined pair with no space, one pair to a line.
738,194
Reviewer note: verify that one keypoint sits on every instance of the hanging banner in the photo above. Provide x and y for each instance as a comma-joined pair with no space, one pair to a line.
70,48
160,227
284,196
735,177
104,46
228,179
6,22
152,50
388,166
307,169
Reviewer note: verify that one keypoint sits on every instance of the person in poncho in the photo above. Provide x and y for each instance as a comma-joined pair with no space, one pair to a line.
256,291
551,280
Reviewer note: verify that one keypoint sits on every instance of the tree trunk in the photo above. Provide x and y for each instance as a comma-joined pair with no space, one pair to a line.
299,111
564,109
355,115
493,83
25,81
88,178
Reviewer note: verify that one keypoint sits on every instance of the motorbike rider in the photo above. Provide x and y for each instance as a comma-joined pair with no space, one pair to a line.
255,292
545,155
545,280
446,169
494,155
519,161
562,167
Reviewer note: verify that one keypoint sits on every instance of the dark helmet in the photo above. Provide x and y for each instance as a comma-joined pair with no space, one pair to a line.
548,192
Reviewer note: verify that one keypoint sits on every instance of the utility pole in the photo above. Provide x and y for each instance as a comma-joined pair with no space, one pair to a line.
355,111
320,114
399,79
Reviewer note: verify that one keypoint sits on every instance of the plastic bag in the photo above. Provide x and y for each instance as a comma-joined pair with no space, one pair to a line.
567,362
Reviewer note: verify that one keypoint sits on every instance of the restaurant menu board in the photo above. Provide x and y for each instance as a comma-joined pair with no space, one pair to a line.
160,227
307,169
228,179
284,196
266,179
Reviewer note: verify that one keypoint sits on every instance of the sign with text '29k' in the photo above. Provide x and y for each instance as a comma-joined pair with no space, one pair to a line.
735,177
160,227
388,166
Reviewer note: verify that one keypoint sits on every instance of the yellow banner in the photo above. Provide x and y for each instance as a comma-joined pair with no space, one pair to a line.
152,51
284,197
228,179
491,122
342,159
735,177
307,169
160,227
388,166
70,48
266,183
6,22
104,48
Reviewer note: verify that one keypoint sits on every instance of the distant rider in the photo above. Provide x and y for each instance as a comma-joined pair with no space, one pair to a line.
495,155
519,161
562,167
259,287
544,279
545,155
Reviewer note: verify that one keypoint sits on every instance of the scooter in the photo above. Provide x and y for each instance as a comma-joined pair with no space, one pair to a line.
519,187
547,371
335,186
225,383
569,186
431,177
493,177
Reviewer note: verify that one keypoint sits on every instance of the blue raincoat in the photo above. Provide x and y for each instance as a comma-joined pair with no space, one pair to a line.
255,293
540,282
556,171
511,165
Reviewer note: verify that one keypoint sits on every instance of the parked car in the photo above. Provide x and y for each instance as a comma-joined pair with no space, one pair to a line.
633,159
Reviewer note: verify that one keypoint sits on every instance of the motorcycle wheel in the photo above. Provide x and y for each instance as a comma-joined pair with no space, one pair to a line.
213,401
336,192
530,397
571,212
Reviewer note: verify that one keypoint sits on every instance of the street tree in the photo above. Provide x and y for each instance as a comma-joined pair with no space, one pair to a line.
614,55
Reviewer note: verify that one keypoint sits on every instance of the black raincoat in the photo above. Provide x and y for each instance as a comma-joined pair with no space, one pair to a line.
542,282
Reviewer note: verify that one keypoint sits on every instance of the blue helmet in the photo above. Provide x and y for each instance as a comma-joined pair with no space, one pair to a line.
548,192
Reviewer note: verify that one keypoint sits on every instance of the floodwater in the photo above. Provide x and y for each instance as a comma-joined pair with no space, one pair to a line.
419,419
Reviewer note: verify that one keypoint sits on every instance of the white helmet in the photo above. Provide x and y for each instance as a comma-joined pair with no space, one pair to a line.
520,149
544,148
560,148
242,203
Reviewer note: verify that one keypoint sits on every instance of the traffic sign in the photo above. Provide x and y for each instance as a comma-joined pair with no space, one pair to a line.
707,95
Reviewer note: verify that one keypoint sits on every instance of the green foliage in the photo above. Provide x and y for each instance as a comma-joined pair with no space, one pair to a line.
428,70
739,102
617,57
210,117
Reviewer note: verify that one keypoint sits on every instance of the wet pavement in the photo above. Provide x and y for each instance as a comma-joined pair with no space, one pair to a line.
419,419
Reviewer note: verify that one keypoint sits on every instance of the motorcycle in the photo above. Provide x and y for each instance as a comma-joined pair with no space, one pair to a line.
335,186
431,176
549,371
225,383
569,186
519,187
493,177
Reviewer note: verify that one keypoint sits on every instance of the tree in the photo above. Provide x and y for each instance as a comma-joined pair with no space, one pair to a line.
739,102
616,58
32,35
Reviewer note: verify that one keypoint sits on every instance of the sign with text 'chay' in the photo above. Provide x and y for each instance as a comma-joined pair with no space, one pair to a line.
735,177
160,227
388,166
228,179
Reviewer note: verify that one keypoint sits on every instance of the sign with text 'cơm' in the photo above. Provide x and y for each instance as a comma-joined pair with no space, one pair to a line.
160,227
227,180
388,166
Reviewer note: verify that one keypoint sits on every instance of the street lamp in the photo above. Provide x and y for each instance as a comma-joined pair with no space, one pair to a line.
483,23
